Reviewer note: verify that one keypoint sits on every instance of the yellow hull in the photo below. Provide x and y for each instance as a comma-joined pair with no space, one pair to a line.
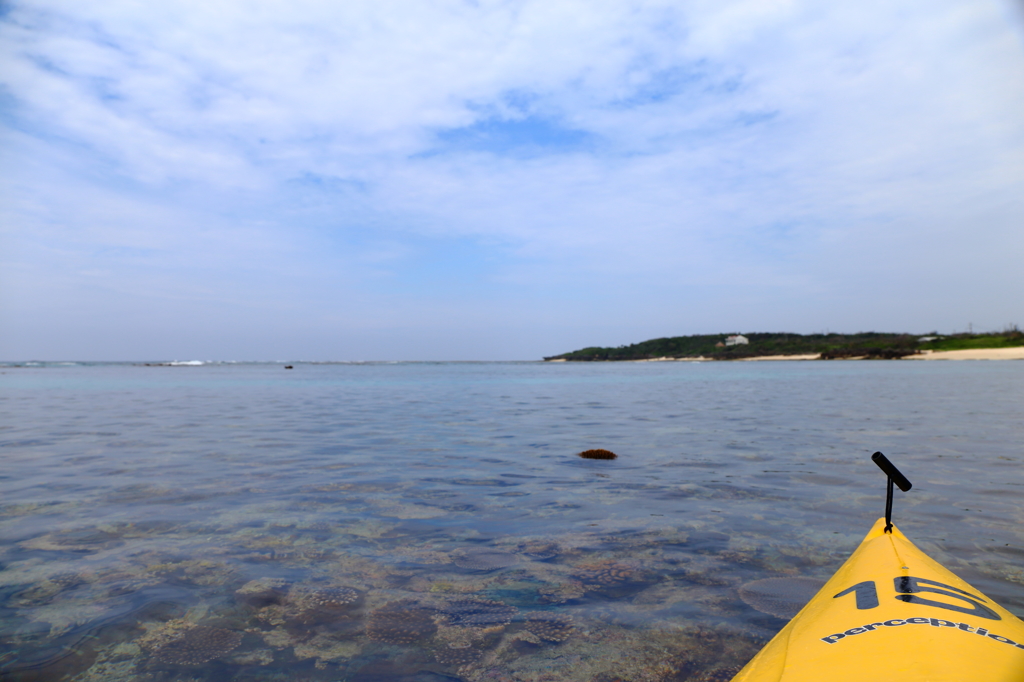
893,613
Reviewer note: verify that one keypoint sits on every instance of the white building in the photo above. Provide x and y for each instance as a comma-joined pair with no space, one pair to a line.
737,340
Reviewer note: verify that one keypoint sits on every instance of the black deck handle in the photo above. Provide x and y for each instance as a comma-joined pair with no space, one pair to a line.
891,471
892,475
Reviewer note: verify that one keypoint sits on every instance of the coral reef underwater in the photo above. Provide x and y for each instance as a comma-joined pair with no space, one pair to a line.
386,592
300,600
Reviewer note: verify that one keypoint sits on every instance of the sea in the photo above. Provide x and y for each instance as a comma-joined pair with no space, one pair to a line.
435,522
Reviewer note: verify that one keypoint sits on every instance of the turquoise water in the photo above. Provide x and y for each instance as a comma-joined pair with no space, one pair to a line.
426,522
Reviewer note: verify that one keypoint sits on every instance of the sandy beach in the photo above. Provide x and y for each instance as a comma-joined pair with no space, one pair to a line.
979,354
809,356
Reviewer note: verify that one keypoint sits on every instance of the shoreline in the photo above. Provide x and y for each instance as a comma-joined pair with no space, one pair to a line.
1015,353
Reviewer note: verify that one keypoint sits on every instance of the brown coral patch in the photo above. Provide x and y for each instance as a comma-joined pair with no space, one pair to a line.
198,645
552,627
604,574
598,454
400,622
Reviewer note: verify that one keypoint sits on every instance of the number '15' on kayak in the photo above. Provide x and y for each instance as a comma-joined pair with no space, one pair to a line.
892,613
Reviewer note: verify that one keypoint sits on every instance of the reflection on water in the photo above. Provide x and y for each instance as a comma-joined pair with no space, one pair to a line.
431,522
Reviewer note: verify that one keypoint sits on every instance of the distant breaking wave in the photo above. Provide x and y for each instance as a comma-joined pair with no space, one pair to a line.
174,363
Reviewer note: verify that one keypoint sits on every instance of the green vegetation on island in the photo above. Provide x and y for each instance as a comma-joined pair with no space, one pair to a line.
874,345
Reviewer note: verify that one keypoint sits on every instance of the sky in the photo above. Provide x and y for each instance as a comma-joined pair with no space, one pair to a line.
501,180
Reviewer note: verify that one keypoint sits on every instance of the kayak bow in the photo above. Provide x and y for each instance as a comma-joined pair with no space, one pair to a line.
891,612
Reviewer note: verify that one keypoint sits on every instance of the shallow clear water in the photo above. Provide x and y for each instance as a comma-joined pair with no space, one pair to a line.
432,522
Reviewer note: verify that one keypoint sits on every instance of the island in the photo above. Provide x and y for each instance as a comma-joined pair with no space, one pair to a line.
786,346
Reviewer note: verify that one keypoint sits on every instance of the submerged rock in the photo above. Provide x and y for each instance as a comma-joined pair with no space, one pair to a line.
263,591
598,454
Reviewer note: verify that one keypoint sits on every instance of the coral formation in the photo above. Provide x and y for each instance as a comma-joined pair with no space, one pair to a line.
551,627
310,606
455,654
719,674
603,574
561,593
475,612
330,597
400,622
461,646
198,645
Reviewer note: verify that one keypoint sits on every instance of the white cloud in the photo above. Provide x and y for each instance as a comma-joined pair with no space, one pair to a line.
799,147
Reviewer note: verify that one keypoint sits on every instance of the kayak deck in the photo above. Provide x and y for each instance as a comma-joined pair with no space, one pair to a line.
891,612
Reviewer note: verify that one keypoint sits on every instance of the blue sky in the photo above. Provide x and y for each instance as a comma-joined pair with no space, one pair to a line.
501,180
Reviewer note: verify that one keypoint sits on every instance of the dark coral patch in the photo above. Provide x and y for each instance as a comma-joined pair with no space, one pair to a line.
598,454
198,645
323,605
477,613
719,674
400,622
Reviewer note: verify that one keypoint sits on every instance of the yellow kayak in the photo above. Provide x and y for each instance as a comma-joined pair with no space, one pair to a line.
891,612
